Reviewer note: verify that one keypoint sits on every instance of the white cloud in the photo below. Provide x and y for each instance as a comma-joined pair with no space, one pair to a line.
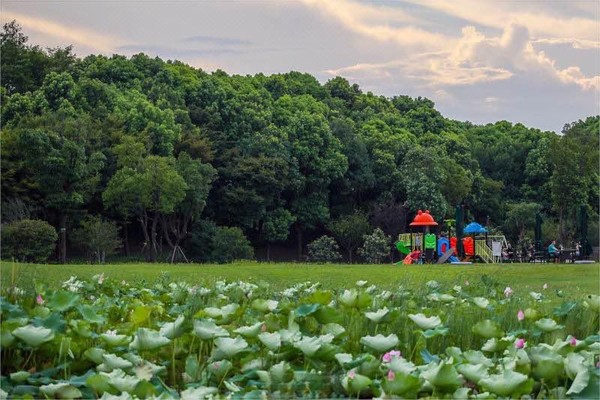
477,59
380,23
95,41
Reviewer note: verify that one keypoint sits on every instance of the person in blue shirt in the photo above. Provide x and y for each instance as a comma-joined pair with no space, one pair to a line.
553,251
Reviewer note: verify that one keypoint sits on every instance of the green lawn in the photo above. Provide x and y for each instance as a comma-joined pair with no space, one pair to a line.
576,280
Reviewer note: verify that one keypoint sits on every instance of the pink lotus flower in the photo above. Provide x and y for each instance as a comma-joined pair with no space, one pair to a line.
351,375
520,343
390,375
39,299
573,341
508,291
520,315
545,286
387,357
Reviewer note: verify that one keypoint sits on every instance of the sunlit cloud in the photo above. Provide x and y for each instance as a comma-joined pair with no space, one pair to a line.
476,59
496,14
575,43
98,42
386,24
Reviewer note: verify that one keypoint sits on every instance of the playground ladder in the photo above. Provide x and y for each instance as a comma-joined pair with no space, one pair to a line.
484,251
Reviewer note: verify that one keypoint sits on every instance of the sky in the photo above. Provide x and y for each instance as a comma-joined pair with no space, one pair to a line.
531,61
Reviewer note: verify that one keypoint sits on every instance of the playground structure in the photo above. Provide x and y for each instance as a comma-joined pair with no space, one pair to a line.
478,245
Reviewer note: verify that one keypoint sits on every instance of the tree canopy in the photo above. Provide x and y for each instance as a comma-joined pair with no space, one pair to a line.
166,149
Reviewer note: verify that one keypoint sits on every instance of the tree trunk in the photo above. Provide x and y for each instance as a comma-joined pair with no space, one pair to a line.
126,238
62,237
350,255
299,236
153,236
268,251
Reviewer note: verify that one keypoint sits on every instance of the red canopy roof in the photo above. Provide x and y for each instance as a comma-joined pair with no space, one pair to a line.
423,219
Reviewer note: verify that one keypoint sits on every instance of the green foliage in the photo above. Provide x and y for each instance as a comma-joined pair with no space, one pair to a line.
229,244
28,240
349,230
376,247
167,144
323,249
98,237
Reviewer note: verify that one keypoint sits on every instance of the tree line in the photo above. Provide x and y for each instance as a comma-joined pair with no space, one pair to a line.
171,157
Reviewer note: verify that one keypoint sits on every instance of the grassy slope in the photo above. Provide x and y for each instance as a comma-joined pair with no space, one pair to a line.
576,280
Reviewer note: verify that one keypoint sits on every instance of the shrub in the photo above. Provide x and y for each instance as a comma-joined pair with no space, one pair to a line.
199,246
230,244
324,249
349,231
98,237
28,240
376,247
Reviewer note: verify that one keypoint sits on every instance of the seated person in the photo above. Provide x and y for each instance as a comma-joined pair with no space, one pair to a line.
553,251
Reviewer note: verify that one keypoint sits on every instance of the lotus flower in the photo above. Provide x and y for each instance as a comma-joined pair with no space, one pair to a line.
573,341
508,292
351,374
520,315
390,375
545,286
520,343
39,299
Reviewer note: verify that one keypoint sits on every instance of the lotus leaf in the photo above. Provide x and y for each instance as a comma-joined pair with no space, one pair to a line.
148,339
593,302
379,342
487,329
33,335
173,329
20,376
281,373
206,329
230,346
443,377
424,322
63,300
481,302
473,373
89,314
220,368
378,315
547,364
112,361
404,385
548,325
140,315
401,365
271,340
508,383
532,314
306,309
264,305
439,331
356,383
61,390
343,358
334,329
201,392
121,381
349,298
251,331
310,345
115,340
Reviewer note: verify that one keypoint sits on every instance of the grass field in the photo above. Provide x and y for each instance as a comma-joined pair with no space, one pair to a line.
578,280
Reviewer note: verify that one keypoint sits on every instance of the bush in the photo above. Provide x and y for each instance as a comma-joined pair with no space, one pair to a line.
98,238
324,249
230,244
376,247
28,240
199,246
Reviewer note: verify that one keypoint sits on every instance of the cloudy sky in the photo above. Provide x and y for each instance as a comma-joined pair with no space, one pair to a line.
535,62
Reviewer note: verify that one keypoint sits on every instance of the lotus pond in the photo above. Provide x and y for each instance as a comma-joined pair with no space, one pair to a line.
102,337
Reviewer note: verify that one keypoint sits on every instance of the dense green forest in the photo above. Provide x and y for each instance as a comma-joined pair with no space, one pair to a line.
169,155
